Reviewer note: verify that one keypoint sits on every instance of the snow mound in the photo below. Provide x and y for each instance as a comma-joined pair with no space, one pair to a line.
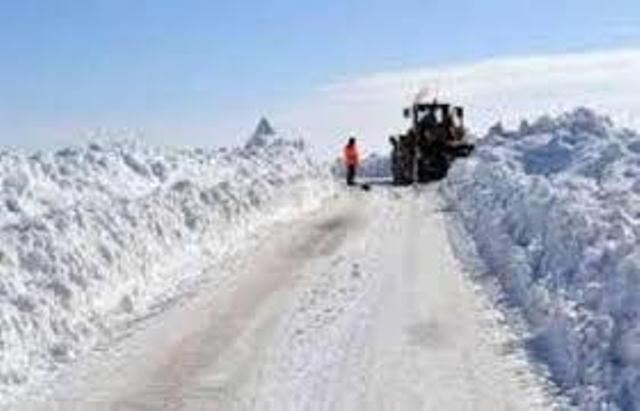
94,237
554,209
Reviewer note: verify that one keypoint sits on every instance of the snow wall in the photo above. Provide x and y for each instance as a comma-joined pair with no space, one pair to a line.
554,212
94,237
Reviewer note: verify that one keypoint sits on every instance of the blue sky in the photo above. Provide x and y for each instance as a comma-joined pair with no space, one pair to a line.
201,72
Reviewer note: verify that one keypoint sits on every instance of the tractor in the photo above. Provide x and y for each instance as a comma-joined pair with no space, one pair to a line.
435,139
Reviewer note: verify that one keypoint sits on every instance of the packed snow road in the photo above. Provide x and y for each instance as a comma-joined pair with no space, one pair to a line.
359,306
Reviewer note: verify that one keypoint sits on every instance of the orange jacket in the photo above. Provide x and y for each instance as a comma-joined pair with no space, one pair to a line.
351,156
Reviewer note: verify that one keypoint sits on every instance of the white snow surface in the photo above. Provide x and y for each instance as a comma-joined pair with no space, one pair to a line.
95,237
359,305
554,212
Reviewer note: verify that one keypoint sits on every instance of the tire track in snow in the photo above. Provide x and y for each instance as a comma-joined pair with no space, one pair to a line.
274,270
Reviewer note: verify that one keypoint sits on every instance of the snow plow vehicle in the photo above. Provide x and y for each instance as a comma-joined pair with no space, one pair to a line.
436,138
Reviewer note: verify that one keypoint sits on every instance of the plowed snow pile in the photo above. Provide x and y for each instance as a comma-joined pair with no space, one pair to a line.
94,237
554,209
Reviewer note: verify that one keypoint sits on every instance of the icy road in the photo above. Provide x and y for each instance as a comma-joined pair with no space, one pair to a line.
359,306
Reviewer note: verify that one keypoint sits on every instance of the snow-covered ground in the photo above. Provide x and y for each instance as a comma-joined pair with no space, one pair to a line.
360,305
93,238
554,212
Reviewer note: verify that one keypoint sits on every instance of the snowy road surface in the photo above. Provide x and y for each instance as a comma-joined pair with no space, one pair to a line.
360,306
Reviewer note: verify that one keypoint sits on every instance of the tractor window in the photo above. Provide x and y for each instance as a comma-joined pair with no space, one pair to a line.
425,114
457,121
439,115
458,117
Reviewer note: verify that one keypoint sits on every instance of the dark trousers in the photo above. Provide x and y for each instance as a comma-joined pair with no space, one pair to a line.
351,175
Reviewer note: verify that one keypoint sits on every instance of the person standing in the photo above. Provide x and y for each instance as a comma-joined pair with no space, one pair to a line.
351,160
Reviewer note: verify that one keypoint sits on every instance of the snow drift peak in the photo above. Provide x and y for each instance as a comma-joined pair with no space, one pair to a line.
264,132
577,122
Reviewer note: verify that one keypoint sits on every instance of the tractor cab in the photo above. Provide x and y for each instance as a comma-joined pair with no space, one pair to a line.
436,120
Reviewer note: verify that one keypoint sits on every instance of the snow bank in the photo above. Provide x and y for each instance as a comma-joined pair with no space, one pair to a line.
93,237
554,209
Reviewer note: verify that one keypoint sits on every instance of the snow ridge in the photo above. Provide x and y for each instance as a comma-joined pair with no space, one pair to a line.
94,237
554,211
